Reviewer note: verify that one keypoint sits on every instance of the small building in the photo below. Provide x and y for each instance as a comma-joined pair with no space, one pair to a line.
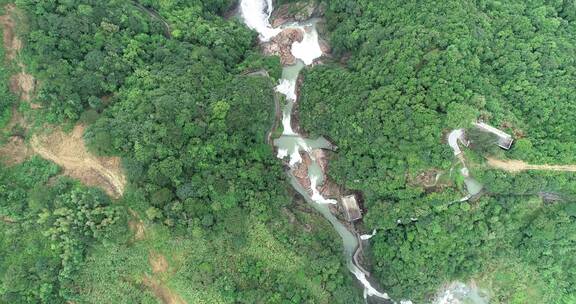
351,208
505,140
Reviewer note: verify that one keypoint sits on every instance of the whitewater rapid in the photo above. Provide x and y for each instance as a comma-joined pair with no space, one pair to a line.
256,15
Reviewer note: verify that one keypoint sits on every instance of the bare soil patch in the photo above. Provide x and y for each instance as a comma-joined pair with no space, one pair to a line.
6,219
159,266
137,226
158,262
426,179
14,151
518,165
162,292
23,85
69,151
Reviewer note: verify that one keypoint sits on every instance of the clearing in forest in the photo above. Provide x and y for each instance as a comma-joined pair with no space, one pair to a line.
14,151
69,152
518,165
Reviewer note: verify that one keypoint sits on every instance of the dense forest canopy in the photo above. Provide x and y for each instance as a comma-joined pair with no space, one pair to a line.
207,216
413,72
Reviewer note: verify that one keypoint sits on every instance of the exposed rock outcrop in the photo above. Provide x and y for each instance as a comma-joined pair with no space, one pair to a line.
297,12
281,45
301,172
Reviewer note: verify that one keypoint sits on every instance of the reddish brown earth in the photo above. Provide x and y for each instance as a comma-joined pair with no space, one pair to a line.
160,266
69,151
518,165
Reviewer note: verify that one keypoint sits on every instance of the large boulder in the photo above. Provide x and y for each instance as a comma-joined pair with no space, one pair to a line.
299,11
281,45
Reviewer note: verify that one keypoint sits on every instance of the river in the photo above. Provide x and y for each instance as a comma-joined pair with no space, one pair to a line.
290,144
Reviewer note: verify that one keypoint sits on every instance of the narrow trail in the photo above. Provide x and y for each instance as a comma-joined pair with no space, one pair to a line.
136,225
155,283
163,293
69,151
161,271
6,219
518,165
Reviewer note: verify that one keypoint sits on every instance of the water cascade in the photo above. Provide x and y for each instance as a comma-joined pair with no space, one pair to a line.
256,14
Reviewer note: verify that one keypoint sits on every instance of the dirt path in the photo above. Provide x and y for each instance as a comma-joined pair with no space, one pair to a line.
159,266
69,151
136,225
6,219
518,165
158,262
162,292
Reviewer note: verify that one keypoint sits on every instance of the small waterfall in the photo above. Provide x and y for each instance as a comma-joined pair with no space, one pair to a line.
256,15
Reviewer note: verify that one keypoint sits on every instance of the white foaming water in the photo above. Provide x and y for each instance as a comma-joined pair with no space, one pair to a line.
316,196
309,49
256,15
282,153
287,124
295,158
287,88
299,144
368,236
369,290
